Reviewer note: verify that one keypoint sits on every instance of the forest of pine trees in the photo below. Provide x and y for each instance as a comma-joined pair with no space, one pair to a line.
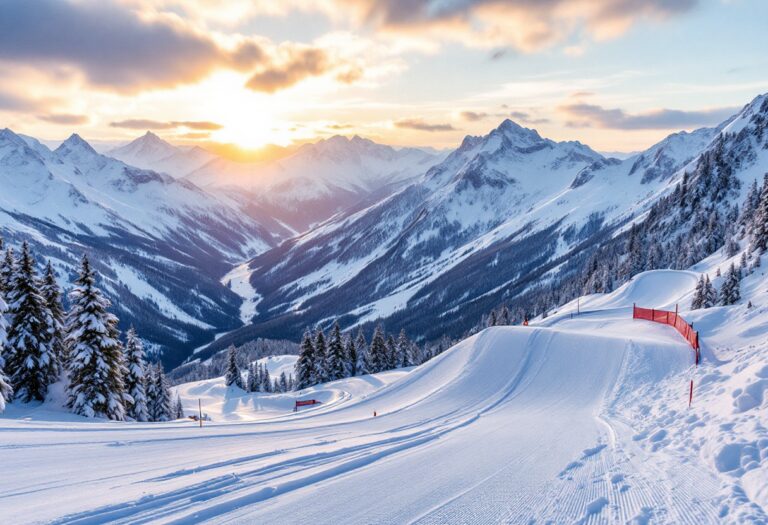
41,344
347,355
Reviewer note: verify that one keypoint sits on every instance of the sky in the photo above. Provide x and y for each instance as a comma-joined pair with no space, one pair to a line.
618,75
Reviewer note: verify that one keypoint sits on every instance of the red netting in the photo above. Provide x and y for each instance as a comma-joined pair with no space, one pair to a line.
672,319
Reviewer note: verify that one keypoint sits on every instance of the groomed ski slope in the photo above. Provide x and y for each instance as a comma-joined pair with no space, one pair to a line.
515,424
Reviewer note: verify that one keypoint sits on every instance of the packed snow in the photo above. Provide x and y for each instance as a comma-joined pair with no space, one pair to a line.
575,418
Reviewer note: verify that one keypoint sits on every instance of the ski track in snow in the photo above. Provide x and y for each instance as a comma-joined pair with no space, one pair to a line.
514,425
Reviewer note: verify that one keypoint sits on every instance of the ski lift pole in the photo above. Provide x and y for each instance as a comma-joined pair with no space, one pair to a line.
200,411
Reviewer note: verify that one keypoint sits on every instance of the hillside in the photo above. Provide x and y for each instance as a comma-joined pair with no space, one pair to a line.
149,235
501,219
589,411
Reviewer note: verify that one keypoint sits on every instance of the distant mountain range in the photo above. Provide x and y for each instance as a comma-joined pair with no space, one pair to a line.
499,216
344,228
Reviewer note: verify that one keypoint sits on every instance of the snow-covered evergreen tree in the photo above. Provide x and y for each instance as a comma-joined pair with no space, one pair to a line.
335,355
266,379
6,271
392,360
233,377
253,383
30,357
283,382
698,294
504,317
305,364
378,352
361,346
158,395
321,358
51,292
404,349
95,363
350,357
178,408
760,220
6,392
492,320
710,294
135,378
730,292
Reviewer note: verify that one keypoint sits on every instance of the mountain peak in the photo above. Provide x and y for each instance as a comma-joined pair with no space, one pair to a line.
513,130
75,145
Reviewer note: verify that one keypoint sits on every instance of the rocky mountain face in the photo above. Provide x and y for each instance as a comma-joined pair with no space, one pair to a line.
161,244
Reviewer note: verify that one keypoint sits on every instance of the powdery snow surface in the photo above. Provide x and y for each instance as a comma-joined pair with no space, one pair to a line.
239,281
569,420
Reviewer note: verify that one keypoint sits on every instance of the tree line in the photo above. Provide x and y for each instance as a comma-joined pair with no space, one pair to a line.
329,357
41,344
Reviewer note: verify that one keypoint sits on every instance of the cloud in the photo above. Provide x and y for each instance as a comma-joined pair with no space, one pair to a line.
65,119
112,45
591,115
526,25
299,62
526,118
156,124
420,125
195,135
13,102
473,116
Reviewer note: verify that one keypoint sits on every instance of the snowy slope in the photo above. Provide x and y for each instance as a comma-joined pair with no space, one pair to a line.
479,229
153,153
160,244
511,198
588,412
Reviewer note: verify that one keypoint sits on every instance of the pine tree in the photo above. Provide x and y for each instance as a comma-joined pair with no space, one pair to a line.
96,366
710,294
361,345
51,293
158,395
178,408
305,364
321,358
391,353
404,356
335,355
233,377
730,292
350,358
504,318
492,321
6,271
135,378
254,385
30,358
378,352
266,380
6,392
760,220
283,382
698,295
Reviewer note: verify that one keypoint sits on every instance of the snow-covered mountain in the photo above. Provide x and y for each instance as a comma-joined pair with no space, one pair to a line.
320,179
160,243
153,153
500,216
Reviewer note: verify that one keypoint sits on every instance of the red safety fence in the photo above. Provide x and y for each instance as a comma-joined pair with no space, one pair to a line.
672,319
678,323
